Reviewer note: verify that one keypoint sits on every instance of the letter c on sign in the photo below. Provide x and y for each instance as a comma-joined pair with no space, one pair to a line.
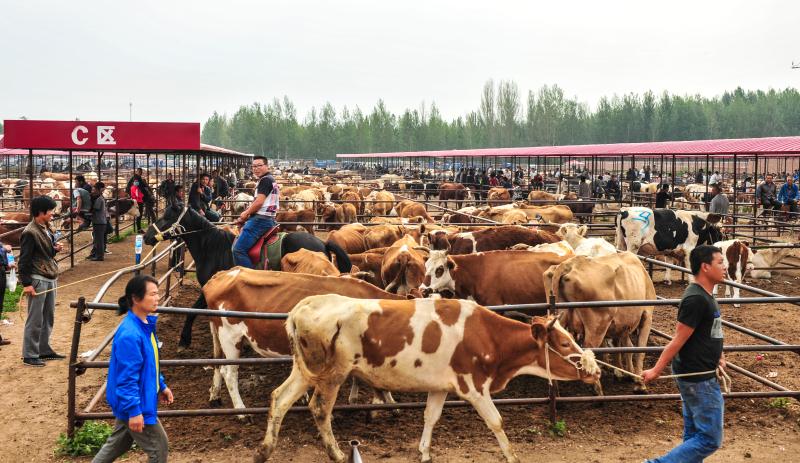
75,135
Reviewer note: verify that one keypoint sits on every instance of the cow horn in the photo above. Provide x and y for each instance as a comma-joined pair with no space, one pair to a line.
421,248
551,323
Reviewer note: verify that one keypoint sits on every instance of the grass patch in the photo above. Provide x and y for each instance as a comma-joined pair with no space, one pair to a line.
779,402
122,236
87,441
12,299
558,429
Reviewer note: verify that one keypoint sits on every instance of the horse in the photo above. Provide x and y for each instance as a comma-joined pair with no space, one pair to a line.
211,249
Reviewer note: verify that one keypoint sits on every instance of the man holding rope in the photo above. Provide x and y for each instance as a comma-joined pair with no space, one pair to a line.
696,352
38,272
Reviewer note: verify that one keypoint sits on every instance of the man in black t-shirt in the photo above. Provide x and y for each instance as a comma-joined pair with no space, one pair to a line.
662,196
696,351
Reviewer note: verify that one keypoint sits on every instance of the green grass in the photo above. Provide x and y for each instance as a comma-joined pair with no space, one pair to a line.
122,236
12,299
87,441
779,402
558,429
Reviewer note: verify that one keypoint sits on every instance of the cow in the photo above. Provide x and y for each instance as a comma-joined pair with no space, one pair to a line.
738,260
316,263
381,236
561,248
306,216
433,346
576,236
613,277
403,266
453,192
352,197
463,215
241,201
581,207
488,239
502,214
768,257
498,195
547,214
350,238
408,209
641,230
338,213
260,291
490,278
542,197
303,200
378,203
370,262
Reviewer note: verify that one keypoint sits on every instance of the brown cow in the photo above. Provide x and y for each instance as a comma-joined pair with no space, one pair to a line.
403,267
498,196
338,213
353,198
305,215
259,291
490,278
438,347
408,209
453,192
381,236
613,277
350,238
378,203
488,239
370,261
543,197
549,214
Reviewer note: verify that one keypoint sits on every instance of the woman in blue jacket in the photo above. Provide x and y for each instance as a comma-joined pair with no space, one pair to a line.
135,384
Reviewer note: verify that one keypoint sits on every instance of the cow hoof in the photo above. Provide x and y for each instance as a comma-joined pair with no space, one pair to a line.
215,403
640,389
245,419
259,456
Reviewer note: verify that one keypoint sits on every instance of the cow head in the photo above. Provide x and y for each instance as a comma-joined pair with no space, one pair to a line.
707,228
438,276
560,355
572,233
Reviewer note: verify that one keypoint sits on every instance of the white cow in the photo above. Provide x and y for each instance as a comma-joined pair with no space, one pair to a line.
576,236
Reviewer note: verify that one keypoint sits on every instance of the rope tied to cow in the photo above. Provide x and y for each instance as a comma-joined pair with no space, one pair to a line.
722,376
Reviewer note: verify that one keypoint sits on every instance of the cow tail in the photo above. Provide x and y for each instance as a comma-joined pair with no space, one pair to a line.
343,263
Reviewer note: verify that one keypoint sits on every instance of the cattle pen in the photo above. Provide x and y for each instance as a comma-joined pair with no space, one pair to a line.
77,365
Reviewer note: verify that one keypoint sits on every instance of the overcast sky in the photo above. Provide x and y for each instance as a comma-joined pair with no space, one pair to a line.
181,60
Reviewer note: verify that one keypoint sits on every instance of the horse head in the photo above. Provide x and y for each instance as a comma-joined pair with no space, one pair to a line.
171,215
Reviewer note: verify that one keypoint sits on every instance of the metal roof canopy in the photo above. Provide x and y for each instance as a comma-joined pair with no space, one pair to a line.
204,149
717,148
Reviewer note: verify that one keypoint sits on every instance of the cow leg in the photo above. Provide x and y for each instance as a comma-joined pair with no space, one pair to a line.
486,409
594,338
321,406
433,411
216,384
667,274
283,397
641,341
230,341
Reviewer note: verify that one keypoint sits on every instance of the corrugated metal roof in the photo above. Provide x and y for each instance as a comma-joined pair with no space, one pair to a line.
205,149
723,147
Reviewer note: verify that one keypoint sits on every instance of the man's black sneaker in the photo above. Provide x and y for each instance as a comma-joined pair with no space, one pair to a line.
33,362
53,356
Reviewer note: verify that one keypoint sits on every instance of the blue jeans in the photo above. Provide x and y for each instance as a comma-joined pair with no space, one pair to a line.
251,232
703,411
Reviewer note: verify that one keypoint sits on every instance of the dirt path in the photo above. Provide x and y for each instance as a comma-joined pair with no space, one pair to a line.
34,402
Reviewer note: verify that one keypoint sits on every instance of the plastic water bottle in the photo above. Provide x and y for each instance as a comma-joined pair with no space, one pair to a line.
138,248
11,281
57,235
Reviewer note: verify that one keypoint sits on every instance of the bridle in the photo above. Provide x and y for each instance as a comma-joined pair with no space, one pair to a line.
585,361
175,230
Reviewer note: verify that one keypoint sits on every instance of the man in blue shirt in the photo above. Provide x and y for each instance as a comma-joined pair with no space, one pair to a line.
135,383
787,196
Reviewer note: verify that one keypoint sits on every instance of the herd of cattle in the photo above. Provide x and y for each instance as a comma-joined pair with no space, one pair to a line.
410,315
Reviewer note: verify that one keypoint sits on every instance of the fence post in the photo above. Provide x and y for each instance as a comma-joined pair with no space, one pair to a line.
552,390
73,357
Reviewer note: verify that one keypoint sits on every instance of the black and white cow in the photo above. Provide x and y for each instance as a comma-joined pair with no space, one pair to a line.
641,230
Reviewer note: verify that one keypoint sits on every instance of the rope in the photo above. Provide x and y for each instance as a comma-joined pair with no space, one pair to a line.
722,376
99,275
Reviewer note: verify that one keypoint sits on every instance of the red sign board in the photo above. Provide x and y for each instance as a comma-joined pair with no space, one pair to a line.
102,136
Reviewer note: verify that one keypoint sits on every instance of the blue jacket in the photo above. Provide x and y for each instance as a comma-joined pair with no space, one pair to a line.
134,379
784,195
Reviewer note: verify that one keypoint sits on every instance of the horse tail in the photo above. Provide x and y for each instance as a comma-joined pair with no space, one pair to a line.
342,259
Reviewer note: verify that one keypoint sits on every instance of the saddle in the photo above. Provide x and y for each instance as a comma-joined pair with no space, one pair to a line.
266,253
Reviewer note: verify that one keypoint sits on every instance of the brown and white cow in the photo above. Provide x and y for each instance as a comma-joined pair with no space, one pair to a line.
403,266
488,239
424,345
497,196
490,278
613,277
738,259
379,203
259,291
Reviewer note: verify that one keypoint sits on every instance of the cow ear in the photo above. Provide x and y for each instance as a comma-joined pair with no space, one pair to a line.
450,264
538,330
713,218
582,230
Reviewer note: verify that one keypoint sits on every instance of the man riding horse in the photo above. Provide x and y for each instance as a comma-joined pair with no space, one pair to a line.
260,216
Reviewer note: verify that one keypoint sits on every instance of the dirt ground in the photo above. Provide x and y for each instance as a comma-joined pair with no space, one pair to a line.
34,400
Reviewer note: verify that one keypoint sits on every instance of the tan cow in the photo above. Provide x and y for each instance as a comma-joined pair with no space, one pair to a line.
591,247
432,346
338,213
378,203
549,214
260,291
381,236
350,238
409,209
614,277
540,196
304,216
497,196
352,197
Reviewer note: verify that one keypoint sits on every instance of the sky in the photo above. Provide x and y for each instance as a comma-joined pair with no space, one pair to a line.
183,60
